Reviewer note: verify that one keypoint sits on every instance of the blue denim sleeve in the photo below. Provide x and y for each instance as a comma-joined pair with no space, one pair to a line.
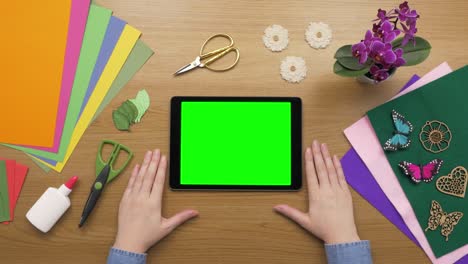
355,252
118,256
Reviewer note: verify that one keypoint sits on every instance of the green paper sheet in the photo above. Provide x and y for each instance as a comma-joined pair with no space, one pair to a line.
96,26
138,57
41,165
444,100
4,200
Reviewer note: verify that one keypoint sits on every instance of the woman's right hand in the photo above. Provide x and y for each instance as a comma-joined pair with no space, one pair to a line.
330,216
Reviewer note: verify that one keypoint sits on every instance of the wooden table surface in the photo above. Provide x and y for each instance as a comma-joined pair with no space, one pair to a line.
234,227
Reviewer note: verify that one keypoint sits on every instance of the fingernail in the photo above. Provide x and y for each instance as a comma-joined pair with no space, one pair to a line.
324,146
308,151
157,152
148,155
316,144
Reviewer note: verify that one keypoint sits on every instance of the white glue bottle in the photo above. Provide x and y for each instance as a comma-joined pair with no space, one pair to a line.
51,206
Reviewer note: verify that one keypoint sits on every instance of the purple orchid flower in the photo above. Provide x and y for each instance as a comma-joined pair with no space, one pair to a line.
360,51
369,38
400,61
376,28
405,13
382,15
378,74
409,34
403,8
382,53
388,32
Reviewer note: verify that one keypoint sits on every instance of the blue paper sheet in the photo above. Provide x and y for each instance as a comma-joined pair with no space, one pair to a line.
114,30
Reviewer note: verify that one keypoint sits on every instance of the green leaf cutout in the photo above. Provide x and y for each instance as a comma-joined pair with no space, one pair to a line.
120,121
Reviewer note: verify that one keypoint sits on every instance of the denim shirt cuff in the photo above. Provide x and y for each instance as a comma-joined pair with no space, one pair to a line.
121,256
353,252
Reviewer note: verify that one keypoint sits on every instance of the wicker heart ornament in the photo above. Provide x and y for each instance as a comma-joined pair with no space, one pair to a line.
454,183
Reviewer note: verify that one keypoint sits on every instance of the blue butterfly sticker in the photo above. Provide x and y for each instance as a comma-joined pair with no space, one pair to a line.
400,138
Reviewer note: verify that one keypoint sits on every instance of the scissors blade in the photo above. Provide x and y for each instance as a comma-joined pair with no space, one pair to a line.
194,64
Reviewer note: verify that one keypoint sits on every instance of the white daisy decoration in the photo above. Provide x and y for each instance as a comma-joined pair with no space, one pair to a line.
293,69
276,38
318,35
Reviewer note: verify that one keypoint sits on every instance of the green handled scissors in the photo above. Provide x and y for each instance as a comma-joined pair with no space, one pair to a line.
211,56
105,172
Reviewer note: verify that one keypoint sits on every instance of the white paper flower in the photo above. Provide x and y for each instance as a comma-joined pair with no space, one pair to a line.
293,69
318,35
276,38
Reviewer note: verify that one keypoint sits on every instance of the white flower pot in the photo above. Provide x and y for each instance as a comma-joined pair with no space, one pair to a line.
364,79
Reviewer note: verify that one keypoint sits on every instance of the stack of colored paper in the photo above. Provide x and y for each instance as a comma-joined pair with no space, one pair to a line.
375,173
65,61
12,177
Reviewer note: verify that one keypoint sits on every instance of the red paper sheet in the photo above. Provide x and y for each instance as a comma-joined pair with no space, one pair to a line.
20,171
16,174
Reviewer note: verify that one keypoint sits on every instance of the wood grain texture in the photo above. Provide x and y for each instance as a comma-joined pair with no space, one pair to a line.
233,227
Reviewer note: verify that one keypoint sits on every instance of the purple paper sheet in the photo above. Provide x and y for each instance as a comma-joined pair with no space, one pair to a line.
362,181
113,32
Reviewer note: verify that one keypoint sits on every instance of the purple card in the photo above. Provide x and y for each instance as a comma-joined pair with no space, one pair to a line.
362,181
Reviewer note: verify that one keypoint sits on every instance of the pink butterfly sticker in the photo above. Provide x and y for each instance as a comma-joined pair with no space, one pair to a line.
419,172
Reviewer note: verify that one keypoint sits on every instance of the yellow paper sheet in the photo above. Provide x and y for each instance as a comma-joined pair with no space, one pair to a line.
120,54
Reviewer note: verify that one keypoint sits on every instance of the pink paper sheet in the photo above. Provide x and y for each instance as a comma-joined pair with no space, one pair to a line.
78,17
362,137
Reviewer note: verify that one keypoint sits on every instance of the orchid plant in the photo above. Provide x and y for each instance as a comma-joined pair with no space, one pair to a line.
380,53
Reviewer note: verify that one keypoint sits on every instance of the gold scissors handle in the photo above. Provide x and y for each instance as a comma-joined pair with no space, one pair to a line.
216,54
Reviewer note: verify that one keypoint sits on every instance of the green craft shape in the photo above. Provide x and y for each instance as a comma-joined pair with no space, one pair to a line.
131,111
120,121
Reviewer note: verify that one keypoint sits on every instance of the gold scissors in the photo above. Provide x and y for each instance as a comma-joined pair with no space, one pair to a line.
211,56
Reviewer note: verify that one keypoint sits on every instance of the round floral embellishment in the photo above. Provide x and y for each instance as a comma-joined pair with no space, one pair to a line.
318,35
276,38
293,69
435,136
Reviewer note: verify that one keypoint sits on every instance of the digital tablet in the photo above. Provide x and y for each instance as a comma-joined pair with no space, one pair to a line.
236,143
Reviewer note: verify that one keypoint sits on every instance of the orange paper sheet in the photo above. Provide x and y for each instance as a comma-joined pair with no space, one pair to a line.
32,54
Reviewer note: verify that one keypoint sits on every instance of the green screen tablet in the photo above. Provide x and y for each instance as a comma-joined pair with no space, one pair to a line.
235,143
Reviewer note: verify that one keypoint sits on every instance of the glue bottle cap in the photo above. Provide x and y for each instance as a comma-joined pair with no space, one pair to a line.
71,182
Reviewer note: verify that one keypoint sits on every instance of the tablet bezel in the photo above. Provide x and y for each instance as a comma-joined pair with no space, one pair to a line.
296,143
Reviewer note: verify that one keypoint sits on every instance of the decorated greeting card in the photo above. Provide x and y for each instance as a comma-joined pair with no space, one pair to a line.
425,136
